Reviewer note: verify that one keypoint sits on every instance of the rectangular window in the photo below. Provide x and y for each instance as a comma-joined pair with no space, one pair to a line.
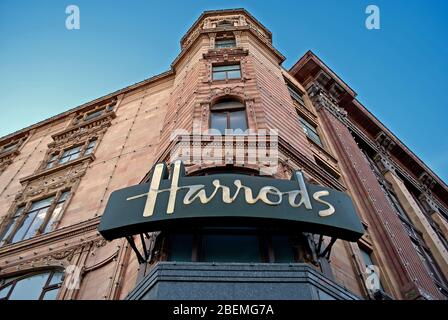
41,217
70,154
90,147
310,131
56,213
94,114
295,95
10,228
51,162
9,147
232,71
367,258
225,43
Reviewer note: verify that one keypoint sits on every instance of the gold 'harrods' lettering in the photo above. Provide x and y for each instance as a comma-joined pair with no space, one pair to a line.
198,192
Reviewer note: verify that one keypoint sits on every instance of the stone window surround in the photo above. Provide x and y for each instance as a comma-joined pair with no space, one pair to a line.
58,152
82,116
26,204
221,57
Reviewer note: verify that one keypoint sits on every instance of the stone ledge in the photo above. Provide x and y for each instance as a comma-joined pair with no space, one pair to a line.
237,281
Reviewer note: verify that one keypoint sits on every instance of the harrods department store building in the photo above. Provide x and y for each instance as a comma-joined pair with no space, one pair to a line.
155,191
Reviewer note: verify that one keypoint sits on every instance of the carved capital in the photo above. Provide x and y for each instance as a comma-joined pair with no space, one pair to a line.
427,201
427,182
322,99
384,163
384,141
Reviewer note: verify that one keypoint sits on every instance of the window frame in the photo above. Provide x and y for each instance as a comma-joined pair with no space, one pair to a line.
46,287
225,39
306,125
296,94
59,154
227,111
226,78
20,219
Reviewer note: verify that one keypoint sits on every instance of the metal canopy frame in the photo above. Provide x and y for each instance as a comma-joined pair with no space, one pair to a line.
142,258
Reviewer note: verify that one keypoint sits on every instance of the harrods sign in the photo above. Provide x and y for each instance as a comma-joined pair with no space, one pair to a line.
228,200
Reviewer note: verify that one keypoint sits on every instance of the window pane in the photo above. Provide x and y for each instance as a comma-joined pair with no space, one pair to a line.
29,288
94,114
18,236
226,67
231,248
9,229
51,295
181,247
366,257
228,104
218,121
283,251
238,120
12,223
234,74
230,43
56,278
54,217
90,147
41,203
219,75
35,225
4,292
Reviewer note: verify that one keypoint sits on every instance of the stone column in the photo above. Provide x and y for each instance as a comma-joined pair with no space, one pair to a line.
419,220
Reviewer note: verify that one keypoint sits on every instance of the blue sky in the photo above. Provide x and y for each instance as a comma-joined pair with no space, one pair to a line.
399,71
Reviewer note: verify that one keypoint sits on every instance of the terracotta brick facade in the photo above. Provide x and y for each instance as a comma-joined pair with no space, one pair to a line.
135,130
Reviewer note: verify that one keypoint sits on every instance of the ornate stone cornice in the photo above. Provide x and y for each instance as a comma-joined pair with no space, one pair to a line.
83,128
322,99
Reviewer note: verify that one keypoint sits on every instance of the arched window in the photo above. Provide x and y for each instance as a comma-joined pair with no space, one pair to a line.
32,286
228,114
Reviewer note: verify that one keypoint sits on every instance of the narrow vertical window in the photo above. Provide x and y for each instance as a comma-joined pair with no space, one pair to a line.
311,131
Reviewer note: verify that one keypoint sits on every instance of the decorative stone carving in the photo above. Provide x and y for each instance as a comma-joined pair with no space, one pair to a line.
384,163
384,141
427,181
322,99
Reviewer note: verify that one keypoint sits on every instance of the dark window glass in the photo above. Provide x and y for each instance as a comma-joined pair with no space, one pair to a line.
94,114
70,154
310,131
181,247
225,43
231,248
226,72
32,287
228,115
283,251
9,147
295,95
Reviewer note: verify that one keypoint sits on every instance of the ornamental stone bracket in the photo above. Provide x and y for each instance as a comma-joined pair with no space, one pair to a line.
384,141
322,99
